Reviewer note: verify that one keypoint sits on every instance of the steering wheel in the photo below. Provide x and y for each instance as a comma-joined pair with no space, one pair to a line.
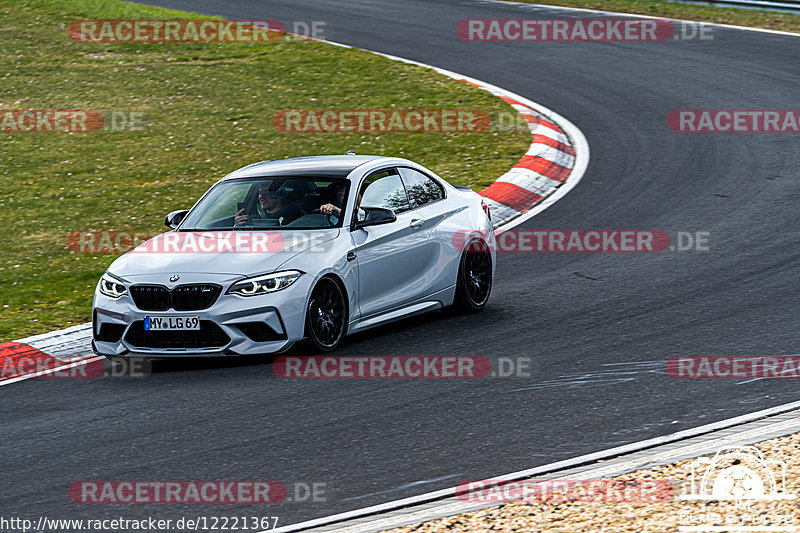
333,218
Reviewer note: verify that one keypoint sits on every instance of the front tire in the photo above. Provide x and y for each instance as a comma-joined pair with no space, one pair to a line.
326,315
474,283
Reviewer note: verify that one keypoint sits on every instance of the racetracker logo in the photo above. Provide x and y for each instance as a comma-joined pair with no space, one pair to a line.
741,474
557,491
177,492
17,359
50,120
570,240
313,29
382,367
107,242
734,120
381,120
69,120
176,31
736,367
50,369
543,30
208,242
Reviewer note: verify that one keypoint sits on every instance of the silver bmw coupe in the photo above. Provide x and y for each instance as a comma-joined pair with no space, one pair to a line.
307,248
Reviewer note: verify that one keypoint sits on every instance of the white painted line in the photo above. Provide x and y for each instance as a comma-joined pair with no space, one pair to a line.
559,465
525,110
69,346
634,15
603,471
79,362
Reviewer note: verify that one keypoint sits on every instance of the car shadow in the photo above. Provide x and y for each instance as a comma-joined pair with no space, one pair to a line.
361,343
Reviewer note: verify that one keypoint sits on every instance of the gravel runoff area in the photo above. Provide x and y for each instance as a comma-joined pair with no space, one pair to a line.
671,512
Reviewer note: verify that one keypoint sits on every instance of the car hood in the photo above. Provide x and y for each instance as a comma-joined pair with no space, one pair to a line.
220,254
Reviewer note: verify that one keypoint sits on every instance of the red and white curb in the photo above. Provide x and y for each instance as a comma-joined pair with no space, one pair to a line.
46,354
554,163
556,158
546,165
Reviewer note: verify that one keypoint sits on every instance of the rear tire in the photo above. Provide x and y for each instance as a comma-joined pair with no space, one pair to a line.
474,283
326,315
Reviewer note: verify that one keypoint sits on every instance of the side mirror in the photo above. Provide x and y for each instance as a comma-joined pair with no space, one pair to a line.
175,218
374,216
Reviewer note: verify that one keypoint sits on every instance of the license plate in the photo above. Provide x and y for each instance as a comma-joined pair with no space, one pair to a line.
171,323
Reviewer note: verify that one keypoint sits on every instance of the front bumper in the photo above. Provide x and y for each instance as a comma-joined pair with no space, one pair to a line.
233,325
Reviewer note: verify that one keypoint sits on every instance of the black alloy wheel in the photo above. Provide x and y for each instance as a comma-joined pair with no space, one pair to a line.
474,282
326,315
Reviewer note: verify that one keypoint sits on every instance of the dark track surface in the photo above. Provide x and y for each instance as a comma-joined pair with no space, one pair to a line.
599,343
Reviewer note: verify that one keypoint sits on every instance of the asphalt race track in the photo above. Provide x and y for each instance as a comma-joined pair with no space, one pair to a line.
599,326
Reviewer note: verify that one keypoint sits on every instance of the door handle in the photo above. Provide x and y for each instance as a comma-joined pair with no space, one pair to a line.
416,223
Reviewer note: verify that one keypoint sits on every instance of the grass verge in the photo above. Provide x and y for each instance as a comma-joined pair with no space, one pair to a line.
208,110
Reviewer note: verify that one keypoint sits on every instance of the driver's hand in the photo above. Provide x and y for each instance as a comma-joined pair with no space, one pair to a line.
241,218
329,209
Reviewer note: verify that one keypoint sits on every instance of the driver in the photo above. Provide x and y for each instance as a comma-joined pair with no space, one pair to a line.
336,199
274,205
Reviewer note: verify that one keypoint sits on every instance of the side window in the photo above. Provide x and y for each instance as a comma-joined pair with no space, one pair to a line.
384,189
421,189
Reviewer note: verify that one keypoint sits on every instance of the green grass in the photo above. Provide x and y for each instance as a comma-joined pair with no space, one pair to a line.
209,110
753,18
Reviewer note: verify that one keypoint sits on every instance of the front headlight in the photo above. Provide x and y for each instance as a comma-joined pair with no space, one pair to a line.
264,284
111,286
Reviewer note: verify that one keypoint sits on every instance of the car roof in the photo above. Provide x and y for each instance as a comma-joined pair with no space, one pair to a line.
318,166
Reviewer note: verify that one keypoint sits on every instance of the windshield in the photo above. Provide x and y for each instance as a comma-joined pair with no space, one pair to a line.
256,203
